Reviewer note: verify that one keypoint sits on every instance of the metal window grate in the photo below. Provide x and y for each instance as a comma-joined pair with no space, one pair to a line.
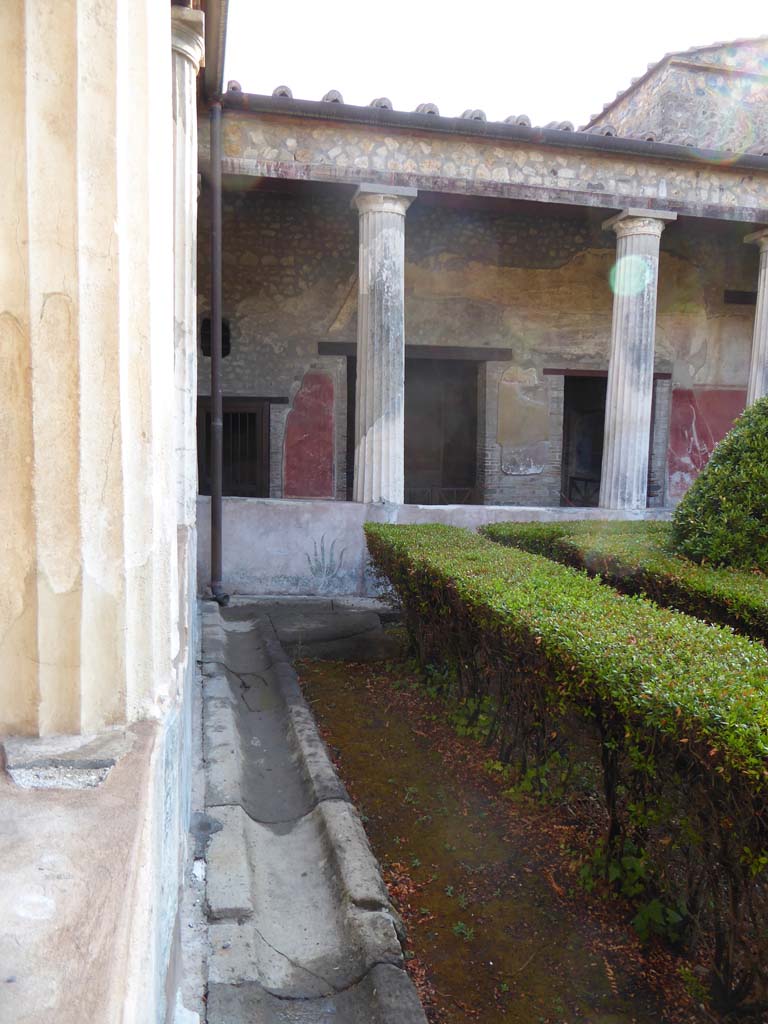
245,443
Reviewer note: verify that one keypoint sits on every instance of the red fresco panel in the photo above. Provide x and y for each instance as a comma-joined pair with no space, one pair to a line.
308,451
700,418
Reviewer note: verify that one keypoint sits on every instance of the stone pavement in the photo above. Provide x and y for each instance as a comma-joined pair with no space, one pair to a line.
300,925
75,850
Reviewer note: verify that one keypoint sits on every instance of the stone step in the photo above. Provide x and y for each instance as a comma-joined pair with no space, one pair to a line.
228,874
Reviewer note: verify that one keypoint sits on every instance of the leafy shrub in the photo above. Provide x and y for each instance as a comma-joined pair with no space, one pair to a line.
723,518
636,558
675,713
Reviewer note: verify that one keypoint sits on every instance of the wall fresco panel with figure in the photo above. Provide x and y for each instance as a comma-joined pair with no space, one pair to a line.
700,418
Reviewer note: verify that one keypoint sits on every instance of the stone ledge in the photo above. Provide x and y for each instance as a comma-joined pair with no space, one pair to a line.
228,890
79,882
64,762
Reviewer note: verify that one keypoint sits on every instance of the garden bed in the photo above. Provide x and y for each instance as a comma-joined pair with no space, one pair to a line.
634,557
500,928
672,713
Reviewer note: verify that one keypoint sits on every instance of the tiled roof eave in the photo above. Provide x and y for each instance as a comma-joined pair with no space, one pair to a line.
462,127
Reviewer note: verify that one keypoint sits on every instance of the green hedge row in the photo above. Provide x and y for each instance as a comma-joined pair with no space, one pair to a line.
672,713
636,559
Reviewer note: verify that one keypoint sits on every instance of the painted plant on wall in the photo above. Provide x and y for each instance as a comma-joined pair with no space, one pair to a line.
324,565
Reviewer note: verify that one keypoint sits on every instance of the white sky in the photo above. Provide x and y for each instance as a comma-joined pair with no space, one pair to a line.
550,59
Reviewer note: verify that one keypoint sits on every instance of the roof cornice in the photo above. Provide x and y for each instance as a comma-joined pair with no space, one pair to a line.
284,106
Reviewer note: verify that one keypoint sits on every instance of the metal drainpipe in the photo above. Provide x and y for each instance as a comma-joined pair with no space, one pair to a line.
217,419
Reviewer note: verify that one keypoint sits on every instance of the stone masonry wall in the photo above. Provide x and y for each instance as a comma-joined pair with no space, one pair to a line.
714,99
486,163
533,280
288,268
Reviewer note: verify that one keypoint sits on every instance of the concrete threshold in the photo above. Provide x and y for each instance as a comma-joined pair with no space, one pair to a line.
300,925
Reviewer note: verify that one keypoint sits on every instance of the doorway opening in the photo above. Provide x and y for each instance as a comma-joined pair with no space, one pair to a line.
440,430
583,427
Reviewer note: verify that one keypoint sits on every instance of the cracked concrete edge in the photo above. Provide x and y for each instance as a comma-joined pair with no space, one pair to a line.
213,637
223,753
193,920
228,888
388,988
221,736
64,762
362,887
358,870
357,867
395,995
313,758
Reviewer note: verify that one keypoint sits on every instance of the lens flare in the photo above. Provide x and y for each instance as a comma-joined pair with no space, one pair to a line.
630,275
735,107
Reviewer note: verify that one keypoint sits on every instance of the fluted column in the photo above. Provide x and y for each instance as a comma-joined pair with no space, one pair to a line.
188,46
86,365
380,395
624,478
757,385
187,40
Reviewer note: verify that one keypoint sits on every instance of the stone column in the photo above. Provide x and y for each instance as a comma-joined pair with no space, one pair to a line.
380,393
86,365
187,40
624,478
757,386
188,47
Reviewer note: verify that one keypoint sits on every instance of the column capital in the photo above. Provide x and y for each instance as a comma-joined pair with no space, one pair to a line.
636,221
188,35
758,238
383,199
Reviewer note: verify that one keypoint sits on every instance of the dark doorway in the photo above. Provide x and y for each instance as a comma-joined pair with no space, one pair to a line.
440,431
583,426
245,470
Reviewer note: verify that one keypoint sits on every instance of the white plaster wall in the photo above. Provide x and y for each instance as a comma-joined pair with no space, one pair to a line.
318,547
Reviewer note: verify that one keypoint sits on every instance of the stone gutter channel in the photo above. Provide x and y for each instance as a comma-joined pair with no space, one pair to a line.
300,925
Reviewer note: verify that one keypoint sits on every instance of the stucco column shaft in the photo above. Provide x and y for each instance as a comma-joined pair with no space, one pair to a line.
380,395
757,385
86,360
188,47
187,40
624,478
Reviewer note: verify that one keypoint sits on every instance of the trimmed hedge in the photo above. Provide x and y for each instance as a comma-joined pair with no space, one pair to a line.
723,518
674,714
635,557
